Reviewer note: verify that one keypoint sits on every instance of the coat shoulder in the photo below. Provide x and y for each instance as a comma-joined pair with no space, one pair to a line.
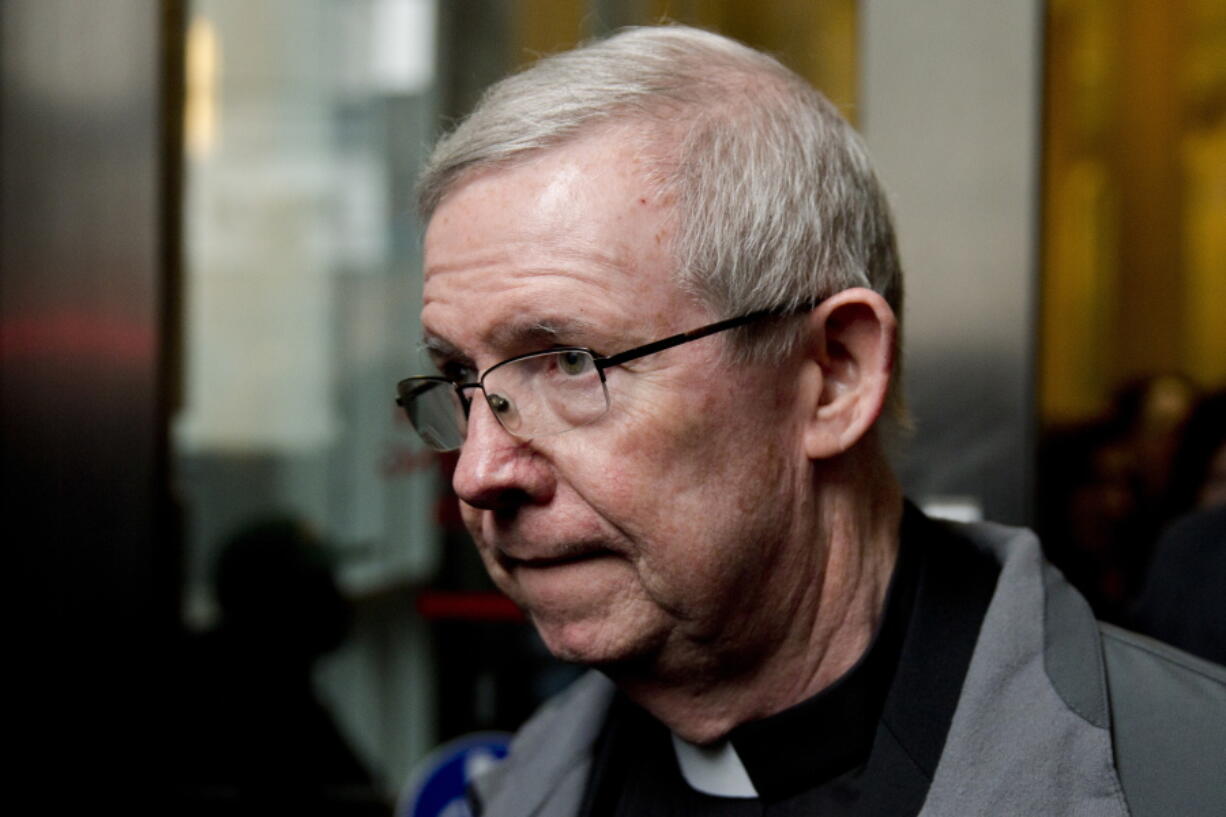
1168,716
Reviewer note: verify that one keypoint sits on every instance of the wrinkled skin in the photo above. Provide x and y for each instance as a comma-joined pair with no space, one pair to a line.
674,531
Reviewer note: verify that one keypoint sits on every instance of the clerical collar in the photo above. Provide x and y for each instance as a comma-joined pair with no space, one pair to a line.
821,737
716,770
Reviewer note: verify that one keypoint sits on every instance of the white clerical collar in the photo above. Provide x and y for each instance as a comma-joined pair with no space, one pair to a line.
716,769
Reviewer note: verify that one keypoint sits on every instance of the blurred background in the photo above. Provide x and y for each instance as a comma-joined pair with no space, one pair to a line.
240,581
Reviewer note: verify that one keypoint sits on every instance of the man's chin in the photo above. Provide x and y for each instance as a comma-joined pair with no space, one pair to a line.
595,643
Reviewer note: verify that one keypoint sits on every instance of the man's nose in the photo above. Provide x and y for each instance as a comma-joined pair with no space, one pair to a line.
496,470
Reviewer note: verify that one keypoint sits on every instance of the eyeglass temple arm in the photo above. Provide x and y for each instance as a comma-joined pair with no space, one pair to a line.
695,334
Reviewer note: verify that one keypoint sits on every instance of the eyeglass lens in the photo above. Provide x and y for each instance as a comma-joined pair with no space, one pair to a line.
546,393
436,414
533,396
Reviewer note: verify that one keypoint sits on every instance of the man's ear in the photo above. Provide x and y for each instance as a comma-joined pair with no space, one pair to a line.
850,344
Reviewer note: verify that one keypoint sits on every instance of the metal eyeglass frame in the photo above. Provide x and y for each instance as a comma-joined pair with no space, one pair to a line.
601,362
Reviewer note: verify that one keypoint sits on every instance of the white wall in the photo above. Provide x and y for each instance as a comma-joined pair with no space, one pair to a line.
950,105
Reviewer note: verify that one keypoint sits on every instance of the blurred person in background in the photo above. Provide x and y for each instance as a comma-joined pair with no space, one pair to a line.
1184,598
1105,490
663,298
1198,471
253,736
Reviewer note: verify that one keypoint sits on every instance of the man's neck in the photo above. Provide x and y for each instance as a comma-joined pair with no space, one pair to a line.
833,606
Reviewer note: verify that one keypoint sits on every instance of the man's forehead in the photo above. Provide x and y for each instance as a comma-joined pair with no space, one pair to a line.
618,152
617,249
572,248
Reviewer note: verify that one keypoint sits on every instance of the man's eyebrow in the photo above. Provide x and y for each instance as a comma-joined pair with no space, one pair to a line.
522,335
529,331
442,349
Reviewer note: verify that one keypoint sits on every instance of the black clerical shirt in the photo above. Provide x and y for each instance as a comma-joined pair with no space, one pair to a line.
867,745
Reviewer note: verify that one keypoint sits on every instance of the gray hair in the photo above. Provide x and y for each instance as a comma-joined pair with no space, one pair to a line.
777,204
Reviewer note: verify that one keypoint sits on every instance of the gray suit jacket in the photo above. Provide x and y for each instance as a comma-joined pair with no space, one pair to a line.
1058,715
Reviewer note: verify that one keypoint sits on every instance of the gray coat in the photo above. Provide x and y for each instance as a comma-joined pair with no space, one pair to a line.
1058,715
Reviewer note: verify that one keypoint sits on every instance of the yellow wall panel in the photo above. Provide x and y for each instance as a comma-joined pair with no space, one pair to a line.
547,27
1134,177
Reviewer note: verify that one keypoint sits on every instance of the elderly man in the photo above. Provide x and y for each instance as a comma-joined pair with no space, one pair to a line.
662,294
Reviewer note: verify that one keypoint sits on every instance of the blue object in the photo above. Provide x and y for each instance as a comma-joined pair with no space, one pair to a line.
437,785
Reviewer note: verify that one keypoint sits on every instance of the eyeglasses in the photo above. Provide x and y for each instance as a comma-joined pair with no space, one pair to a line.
537,394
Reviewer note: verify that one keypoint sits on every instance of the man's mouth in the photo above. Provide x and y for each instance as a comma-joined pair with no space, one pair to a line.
568,557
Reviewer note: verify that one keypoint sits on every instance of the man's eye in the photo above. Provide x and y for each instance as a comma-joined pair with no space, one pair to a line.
574,363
